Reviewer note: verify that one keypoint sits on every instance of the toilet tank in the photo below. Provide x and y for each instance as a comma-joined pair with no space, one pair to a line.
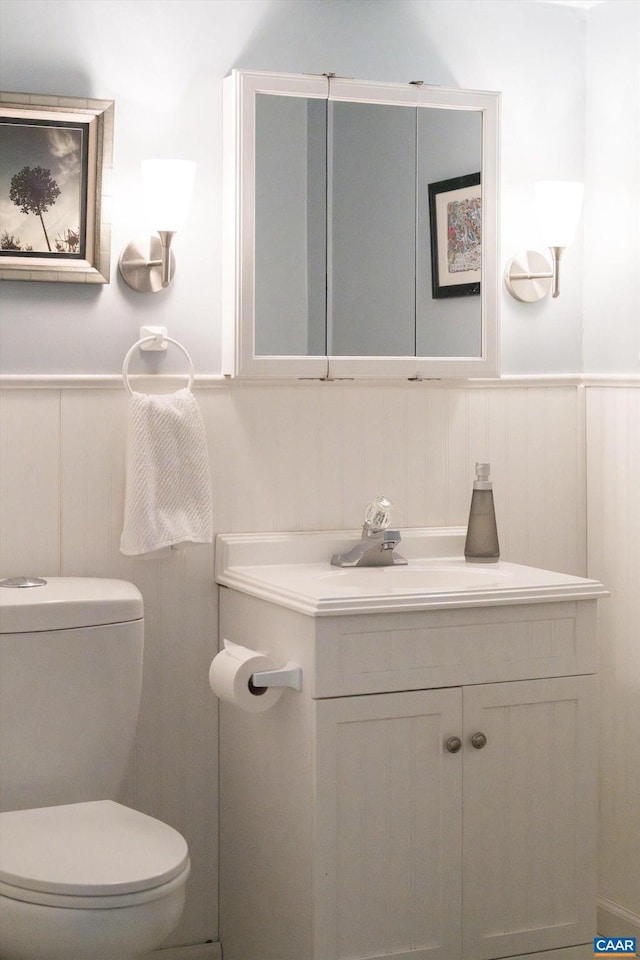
70,682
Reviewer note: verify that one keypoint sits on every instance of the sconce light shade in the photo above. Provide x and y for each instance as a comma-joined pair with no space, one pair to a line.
558,203
148,265
528,276
167,187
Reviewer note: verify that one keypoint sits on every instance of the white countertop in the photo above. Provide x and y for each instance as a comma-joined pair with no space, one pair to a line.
294,570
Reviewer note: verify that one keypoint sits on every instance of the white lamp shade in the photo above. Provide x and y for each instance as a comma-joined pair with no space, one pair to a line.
167,186
558,203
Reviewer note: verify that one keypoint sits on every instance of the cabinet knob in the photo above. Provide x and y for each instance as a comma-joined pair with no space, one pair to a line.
453,744
478,740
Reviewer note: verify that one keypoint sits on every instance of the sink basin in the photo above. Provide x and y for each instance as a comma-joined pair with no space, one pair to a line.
294,570
426,577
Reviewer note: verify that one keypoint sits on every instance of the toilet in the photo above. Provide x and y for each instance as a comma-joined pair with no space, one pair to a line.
82,877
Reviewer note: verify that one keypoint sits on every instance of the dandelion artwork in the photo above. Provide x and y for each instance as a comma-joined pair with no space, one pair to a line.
42,188
56,165
455,210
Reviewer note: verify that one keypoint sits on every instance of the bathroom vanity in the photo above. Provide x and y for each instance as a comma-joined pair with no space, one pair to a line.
431,791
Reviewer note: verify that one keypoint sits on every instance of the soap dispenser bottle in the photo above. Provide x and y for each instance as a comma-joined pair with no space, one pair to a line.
481,545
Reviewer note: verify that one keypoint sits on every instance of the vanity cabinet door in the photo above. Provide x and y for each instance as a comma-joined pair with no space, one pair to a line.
387,856
529,816
392,876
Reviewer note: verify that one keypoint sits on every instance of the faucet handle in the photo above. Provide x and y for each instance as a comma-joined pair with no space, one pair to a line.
377,516
390,539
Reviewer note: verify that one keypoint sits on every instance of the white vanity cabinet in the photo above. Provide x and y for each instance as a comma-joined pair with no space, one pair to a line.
429,795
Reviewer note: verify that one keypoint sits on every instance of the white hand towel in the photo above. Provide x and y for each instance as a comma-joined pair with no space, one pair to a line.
168,485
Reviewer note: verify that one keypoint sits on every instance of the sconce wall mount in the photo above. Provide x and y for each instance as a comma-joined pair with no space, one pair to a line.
529,276
148,265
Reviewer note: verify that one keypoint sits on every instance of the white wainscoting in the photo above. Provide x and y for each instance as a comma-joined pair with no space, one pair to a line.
613,448
287,456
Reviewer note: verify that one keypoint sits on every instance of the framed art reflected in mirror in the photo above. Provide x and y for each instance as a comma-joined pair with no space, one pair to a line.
455,213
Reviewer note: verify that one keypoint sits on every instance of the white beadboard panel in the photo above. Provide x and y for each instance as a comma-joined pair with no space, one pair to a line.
541,500
93,436
29,483
307,456
173,773
285,456
613,500
514,494
215,406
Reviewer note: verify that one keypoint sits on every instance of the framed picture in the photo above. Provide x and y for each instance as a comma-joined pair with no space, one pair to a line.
455,213
55,188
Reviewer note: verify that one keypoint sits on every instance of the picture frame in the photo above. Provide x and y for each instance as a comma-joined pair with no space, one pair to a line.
455,215
55,188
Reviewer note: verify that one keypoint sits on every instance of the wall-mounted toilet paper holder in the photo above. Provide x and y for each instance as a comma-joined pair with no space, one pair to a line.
289,676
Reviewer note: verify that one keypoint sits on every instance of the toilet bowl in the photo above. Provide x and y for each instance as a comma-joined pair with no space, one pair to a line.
81,876
88,881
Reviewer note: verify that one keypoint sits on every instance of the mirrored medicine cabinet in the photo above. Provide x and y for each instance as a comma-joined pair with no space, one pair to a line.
361,229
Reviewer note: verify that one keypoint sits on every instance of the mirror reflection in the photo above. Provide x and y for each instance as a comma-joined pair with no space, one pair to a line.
367,229
291,226
372,230
448,314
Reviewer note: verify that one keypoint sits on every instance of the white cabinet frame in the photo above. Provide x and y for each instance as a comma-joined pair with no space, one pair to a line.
239,357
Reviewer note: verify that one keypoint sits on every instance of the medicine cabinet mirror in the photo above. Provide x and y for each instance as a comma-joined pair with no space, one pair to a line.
361,229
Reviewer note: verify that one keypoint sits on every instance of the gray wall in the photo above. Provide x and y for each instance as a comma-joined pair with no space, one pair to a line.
611,295
163,64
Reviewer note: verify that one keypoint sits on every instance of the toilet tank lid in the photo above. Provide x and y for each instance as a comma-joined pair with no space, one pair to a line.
66,602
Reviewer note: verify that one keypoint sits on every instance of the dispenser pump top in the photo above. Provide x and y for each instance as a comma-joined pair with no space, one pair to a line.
482,481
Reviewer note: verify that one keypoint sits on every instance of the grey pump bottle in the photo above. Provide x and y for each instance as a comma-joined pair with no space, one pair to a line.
481,545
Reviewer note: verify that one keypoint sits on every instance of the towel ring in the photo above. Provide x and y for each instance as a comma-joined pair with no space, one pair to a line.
125,364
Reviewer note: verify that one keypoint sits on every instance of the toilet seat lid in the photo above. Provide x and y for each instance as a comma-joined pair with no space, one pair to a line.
97,848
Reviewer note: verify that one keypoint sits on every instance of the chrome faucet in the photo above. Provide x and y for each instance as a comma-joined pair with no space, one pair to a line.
376,547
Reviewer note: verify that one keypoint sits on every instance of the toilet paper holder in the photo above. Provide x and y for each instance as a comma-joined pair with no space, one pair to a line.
288,676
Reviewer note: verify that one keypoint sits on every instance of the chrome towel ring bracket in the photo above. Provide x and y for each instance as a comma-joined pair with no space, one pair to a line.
161,340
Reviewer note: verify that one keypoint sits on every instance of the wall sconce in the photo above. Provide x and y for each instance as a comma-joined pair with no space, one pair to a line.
529,276
148,265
